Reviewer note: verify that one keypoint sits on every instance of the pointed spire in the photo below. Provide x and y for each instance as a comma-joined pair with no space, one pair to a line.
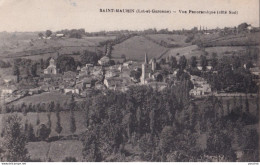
146,58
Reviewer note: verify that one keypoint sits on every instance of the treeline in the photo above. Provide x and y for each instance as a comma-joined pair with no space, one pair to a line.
162,43
117,40
40,107
227,43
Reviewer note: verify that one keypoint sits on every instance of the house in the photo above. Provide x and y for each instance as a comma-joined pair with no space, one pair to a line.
117,83
199,67
112,73
9,78
8,90
51,69
69,75
97,71
60,35
255,71
104,61
201,87
71,90
87,83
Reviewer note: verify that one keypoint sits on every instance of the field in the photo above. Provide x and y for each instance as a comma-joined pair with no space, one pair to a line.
135,48
170,39
193,50
222,50
55,151
46,97
28,45
187,51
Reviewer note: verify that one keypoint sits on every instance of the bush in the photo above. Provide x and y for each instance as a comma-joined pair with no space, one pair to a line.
43,132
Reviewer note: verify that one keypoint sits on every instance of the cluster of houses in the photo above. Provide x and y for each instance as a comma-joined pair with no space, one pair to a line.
201,87
105,76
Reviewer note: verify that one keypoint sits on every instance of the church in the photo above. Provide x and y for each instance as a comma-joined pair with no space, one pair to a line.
51,69
148,68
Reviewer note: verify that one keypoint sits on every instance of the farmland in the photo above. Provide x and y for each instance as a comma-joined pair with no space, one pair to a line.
170,39
44,98
55,151
27,45
135,48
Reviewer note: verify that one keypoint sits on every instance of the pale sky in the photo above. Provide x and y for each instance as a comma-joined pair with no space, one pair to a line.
40,15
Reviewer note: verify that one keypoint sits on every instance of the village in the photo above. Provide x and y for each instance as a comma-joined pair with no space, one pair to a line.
106,76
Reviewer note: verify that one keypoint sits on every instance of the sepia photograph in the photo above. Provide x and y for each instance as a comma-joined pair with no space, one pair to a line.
129,81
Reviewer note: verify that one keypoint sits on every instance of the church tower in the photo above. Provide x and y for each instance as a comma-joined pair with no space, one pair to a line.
146,58
144,66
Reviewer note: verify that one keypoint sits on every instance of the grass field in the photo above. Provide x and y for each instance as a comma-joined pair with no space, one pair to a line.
55,151
27,45
135,48
170,39
46,97
187,51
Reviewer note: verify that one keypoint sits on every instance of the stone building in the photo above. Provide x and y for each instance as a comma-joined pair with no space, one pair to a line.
51,69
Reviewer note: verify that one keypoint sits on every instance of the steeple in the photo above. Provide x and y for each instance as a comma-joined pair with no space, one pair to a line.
146,58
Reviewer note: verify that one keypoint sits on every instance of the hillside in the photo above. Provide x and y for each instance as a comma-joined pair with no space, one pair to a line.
30,46
135,48
173,39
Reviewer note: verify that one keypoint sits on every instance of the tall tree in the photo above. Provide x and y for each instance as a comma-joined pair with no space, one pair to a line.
58,128
48,33
72,122
203,62
34,70
16,72
14,141
182,62
193,61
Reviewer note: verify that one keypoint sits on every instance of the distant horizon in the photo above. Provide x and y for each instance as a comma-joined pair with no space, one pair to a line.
170,30
42,15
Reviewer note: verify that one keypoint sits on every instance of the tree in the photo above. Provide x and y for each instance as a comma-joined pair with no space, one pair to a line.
182,62
14,140
173,62
49,120
48,33
30,133
16,71
40,34
66,63
193,62
219,143
203,62
167,139
43,132
214,60
242,27
58,128
34,70
246,104
136,74
72,122
89,57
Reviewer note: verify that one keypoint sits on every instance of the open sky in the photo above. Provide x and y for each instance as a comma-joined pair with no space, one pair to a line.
40,15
